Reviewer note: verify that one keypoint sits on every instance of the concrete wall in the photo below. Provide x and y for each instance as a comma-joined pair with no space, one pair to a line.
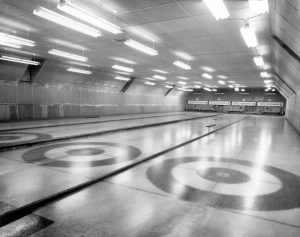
23,101
293,111
250,95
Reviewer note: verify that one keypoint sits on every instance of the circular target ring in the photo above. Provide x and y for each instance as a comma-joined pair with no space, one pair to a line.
21,137
83,154
196,186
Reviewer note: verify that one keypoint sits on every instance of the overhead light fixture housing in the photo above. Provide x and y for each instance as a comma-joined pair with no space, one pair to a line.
182,78
122,68
122,78
182,65
207,89
236,89
65,21
217,8
259,61
88,17
222,76
16,46
167,86
231,86
19,60
207,76
124,60
159,77
268,81
249,36
149,83
221,82
265,75
68,55
77,70
143,48
197,86
182,82
14,41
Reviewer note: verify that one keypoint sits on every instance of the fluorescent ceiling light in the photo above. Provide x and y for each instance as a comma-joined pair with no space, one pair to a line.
182,78
208,69
65,21
249,36
182,65
231,81
122,68
236,89
149,83
268,81
9,44
19,60
184,89
89,17
122,78
217,8
259,61
159,71
77,70
221,82
124,60
143,48
259,6
273,89
243,90
197,82
169,86
68,55
184,55
16,42
182,82
222,76
214,90
150,78
231,86
207,89
265,74
159,77
207,76
197,86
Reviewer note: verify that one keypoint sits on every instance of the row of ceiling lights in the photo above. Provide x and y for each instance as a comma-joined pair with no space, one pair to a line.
217,7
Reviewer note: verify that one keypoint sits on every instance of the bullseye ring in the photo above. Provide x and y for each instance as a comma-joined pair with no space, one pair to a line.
83,154
222,185
19,138
222,175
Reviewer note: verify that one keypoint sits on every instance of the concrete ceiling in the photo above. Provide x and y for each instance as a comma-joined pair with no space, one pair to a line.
177,27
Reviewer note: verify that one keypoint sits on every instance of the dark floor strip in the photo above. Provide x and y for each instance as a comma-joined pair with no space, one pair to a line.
82,123
20,212
15,146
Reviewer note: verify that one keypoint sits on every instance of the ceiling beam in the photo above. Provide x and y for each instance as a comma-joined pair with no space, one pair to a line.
128,84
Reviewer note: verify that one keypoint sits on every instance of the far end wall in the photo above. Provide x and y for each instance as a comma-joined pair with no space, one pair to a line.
229,96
